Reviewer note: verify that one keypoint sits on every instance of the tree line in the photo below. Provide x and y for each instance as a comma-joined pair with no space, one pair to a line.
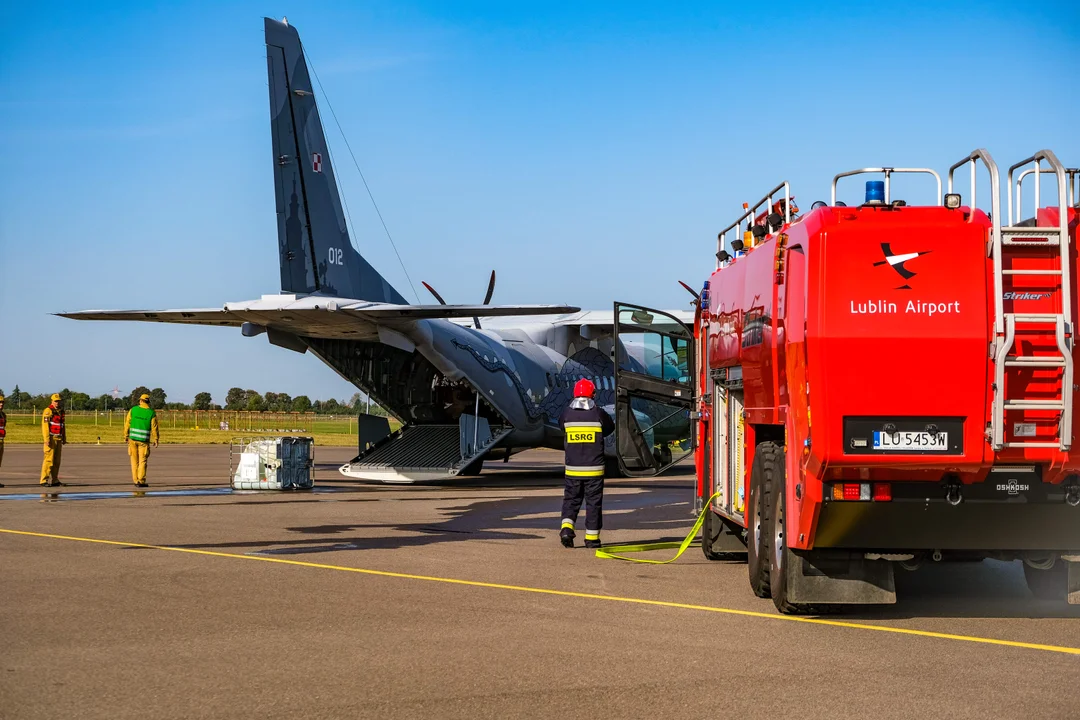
235,399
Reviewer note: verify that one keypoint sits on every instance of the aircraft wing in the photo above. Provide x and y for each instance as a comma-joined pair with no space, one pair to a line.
606,318
199,316
316,316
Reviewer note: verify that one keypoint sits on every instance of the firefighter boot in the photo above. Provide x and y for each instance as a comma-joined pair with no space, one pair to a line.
592,539
566,535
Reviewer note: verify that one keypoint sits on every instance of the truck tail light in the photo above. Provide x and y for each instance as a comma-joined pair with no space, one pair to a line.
862,491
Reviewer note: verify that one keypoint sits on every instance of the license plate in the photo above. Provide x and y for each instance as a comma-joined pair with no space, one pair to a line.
910,440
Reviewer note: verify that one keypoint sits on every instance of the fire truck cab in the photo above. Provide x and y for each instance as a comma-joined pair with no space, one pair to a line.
879,385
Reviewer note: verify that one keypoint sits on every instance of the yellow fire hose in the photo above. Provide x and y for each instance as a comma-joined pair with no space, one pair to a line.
615,552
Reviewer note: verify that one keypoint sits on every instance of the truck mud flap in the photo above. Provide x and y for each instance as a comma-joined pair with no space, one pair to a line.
1074,583
839,579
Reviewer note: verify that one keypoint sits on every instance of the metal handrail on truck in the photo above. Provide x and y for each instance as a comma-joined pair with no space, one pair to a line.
994,246
888,171
750,212
1072,194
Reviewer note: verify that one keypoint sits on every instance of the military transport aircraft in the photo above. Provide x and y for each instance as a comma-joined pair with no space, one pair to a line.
464,390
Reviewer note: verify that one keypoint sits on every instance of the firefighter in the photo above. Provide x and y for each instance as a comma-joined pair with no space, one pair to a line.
584,426
140,429
54,434
3,431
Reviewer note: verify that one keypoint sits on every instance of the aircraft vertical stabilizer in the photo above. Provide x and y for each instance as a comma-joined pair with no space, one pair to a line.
313,239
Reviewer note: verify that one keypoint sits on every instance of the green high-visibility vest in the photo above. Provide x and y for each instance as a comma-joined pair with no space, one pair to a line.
140,423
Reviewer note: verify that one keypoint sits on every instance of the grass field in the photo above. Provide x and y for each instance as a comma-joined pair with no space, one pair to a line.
189,427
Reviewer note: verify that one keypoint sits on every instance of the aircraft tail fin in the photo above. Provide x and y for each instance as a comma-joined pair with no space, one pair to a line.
313,239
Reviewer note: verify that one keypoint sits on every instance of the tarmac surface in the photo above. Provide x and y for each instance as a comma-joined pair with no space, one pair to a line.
458,601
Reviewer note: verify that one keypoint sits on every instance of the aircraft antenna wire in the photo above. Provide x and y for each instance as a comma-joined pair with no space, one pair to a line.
378,212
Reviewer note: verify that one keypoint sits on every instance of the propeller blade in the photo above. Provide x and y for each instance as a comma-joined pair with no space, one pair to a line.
432,291
688,289
491,288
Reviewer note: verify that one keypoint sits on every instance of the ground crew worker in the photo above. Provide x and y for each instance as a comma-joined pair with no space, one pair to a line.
54,433
585,426
140,429
3,431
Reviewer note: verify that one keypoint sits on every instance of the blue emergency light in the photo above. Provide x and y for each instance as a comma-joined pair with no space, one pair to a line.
705,296
875,191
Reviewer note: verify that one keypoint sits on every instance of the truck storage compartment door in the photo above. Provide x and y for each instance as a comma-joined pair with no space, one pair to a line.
654,390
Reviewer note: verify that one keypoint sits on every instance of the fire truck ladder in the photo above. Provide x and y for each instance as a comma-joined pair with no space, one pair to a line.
1006,352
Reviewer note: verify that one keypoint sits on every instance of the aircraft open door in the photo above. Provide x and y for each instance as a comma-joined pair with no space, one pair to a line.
654,390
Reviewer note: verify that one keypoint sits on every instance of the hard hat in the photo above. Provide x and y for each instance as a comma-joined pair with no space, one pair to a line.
1,398
55,397
584,388
144,396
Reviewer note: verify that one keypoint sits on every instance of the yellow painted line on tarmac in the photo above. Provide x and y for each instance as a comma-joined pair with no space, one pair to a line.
567,593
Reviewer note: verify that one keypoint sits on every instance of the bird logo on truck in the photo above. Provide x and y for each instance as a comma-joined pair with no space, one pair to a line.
896,262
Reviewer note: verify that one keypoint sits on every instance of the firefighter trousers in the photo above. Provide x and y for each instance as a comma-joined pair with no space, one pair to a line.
50,466
591,490
139,452
1,452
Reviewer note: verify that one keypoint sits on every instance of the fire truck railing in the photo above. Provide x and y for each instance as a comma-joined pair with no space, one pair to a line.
995,183
1055,167
887,171
1072,193
751,211
994,246
1005,323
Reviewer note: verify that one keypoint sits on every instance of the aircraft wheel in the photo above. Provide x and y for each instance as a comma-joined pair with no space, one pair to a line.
758,541
1049,584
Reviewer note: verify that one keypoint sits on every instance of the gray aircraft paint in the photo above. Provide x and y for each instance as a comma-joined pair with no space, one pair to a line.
334,303
316,253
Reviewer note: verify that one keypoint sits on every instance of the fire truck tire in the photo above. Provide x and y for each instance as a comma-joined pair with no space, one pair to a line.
712,528
780,556
1049,584
710,531
766,477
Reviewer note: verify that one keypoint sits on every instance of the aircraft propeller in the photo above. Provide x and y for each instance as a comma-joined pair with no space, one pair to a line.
487,296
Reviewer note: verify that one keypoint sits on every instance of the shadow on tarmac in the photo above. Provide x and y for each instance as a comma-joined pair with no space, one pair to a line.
987,589
657,511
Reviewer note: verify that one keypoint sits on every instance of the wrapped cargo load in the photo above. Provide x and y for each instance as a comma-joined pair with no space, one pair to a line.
272,463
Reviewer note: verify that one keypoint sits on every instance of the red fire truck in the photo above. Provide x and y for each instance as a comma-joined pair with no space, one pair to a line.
884,384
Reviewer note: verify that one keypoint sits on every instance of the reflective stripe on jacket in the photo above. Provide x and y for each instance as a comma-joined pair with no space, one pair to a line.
584,428
140,420
52,423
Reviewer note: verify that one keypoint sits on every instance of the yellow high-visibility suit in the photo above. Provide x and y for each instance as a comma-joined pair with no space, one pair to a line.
54,444
139,452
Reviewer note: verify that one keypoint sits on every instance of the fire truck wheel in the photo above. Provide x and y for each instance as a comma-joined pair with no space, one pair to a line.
711,530
766,476
1049,584
780,555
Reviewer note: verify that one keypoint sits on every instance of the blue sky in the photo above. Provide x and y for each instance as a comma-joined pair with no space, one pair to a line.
586,151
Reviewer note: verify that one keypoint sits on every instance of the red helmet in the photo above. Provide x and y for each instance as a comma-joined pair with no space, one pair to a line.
584,388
